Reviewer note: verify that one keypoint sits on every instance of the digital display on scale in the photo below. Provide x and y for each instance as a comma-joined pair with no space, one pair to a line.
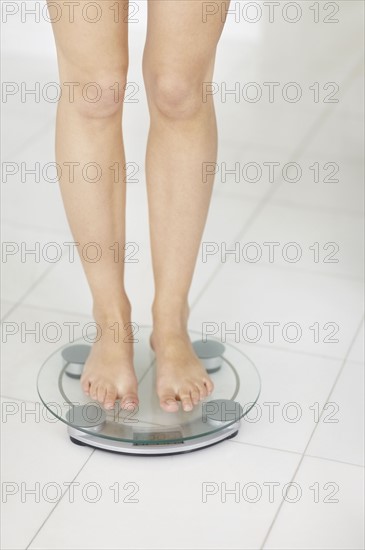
157,437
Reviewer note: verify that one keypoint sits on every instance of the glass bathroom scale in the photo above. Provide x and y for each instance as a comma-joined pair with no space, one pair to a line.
148,430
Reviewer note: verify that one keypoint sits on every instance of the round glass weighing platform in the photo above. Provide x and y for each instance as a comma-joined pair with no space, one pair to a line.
148,429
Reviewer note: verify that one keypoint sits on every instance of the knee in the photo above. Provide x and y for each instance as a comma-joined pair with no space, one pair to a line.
174,96
98,97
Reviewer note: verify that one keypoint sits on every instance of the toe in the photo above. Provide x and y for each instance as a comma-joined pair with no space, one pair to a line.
186,402
195,395
168,402
129,402
94,390
85,384
101,391
209,385
203,392
110,398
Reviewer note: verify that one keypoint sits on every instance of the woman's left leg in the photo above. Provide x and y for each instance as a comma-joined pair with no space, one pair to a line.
178,61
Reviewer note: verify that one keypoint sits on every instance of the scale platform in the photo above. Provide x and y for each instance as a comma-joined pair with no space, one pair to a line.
148,430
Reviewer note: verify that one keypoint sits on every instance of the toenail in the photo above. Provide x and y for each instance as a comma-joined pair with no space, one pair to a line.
130,405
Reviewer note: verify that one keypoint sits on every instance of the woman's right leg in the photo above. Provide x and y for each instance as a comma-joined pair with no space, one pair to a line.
89,131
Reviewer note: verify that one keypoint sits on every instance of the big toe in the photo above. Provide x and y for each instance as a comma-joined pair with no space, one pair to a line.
129,401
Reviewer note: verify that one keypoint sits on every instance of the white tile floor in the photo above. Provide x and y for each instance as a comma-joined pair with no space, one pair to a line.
161,501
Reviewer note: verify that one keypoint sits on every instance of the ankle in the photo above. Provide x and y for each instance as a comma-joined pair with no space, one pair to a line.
170,315
111,311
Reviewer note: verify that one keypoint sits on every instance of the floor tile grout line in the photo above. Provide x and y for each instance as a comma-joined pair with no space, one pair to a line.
215,272
20,301
289,451
340,276
237,442
307,207
57,503
335,460
305,270
278,449
303,144
261,347
29,290
284,203
45,309
313,431
286,268
256,345
19,225
219,193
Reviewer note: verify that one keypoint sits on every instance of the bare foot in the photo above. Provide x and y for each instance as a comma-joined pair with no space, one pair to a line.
108,373
180,374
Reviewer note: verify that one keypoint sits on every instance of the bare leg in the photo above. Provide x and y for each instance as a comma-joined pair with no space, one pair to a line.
90,132
179,57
